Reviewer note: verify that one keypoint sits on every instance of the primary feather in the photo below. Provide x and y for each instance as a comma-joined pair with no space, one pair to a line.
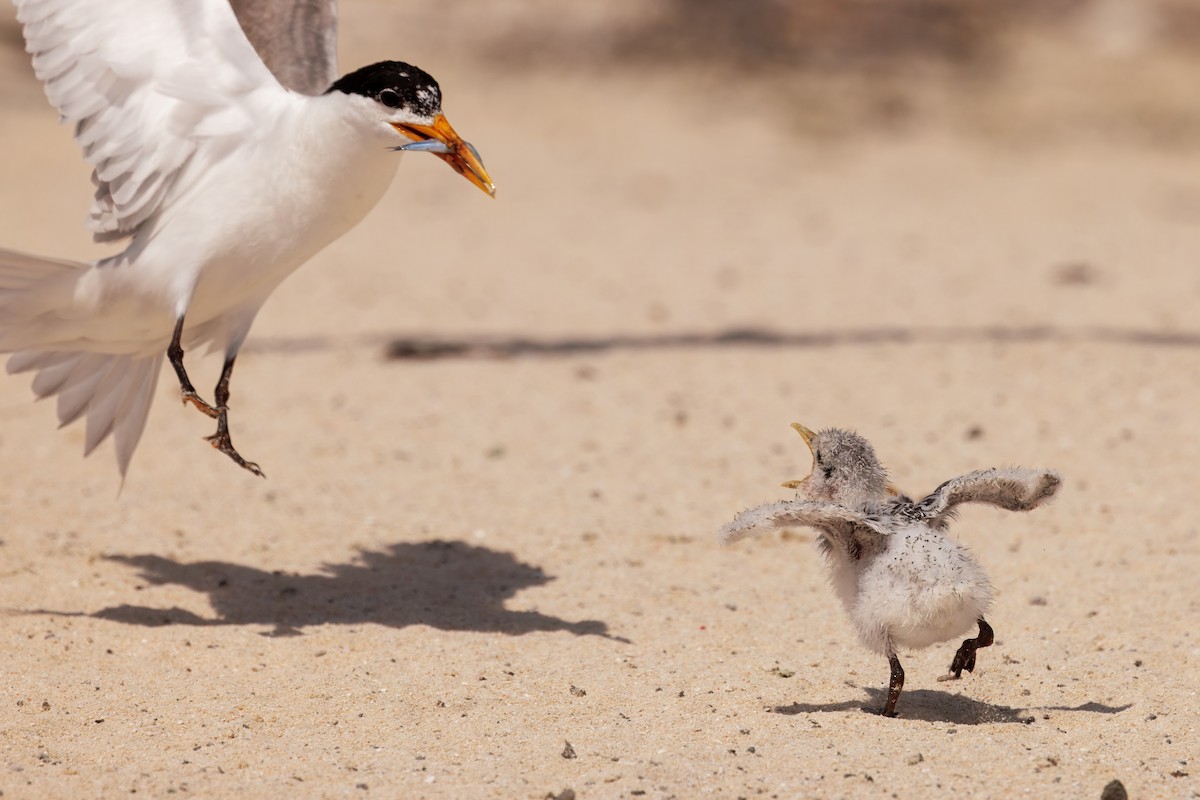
151,86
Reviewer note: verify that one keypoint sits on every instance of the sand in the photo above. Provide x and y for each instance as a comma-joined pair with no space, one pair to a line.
492,572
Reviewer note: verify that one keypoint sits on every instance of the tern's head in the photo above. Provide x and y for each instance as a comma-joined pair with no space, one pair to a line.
406,103
845,468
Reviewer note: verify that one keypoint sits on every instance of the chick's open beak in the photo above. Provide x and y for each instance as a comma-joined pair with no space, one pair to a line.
807,436
441,139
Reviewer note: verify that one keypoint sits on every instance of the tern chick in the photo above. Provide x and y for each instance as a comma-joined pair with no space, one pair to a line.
902,580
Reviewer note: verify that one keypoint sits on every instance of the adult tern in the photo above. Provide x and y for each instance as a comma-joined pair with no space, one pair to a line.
223,181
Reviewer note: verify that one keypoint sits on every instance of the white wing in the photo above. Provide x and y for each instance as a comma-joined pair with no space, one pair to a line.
296,38
150,86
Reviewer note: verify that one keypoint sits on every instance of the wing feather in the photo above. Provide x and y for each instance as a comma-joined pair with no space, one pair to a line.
149,85
296,38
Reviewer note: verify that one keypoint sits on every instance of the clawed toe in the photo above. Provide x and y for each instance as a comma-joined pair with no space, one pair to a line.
221,441
963,659
200,403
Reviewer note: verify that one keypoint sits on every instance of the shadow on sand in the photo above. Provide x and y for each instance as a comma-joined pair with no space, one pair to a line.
448,585
431,348
485,347
931,705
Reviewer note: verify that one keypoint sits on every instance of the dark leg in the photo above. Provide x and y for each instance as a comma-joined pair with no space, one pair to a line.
965,657
175,356
220,440
220,412
889,710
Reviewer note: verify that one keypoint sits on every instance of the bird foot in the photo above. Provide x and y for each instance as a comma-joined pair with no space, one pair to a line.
963,659
221,441
190,396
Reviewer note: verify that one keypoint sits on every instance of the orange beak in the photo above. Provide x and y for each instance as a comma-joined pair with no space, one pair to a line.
460,155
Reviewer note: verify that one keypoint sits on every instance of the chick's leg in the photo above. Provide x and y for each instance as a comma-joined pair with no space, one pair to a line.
894,687
965,657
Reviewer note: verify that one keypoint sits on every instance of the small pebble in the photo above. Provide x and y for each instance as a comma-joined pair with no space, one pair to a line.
1114,790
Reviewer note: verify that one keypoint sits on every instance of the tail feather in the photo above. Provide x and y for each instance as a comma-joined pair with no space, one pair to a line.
104,403
77,389
54,371
73,404
115,393
21,270
139,394
29,287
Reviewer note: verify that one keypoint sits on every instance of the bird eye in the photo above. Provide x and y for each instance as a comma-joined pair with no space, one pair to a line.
390,98
828,472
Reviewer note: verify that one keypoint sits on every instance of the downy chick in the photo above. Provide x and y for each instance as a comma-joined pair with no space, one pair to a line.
902,580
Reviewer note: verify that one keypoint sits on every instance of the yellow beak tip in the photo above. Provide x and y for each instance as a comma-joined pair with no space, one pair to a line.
805,433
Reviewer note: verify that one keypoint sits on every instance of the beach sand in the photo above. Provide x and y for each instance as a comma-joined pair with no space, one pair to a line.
487,568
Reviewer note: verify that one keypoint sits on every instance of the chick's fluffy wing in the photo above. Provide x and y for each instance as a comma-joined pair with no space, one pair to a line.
837,521
1012,488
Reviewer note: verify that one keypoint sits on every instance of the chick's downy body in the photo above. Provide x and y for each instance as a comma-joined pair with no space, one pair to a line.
919,589
905,584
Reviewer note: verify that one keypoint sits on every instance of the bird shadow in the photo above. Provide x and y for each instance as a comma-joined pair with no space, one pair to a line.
448,585
931,705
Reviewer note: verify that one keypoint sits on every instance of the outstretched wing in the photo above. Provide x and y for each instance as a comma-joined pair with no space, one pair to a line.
151,86
1013,488
296,38
852,530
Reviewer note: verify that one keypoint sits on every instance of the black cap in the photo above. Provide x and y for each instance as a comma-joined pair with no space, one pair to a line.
396,85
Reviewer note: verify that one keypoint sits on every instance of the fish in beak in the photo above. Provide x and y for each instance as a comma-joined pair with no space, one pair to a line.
442,140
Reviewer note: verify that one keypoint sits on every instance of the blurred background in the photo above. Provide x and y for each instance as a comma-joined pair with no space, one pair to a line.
1040,67
1047,69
